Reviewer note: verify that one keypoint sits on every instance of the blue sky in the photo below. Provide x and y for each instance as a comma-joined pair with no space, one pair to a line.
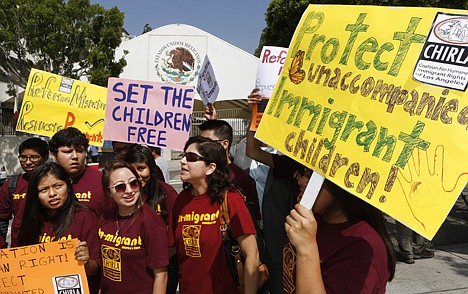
238,22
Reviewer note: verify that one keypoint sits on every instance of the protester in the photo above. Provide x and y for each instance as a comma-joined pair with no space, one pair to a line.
411,245
221,132
33,152
161,162
121,149
158,195
194,226
279,197
68,148
342,245
132,233
53,213
93,153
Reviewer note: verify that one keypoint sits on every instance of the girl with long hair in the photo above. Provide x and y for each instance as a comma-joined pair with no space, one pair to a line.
342,245
158,195
133,237
52,213
194,224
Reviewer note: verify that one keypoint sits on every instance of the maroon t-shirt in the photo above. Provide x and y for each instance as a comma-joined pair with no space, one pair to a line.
247,185
83,227
129,257
170,196
194,231
88,190
15,207
353,258
3,244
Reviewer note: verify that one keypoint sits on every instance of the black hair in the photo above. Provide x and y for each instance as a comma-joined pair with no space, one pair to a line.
220,128
156,150
68,137
35,213
36,144
355,208
213,152
153,192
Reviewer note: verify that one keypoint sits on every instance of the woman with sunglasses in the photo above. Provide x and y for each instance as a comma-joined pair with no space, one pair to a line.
158,195
194,226
342,245
133,237
53,213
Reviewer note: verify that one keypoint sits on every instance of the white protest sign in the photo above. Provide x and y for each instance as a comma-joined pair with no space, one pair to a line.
207,86
269,68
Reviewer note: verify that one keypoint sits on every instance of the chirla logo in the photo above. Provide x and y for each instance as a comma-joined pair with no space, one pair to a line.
453,30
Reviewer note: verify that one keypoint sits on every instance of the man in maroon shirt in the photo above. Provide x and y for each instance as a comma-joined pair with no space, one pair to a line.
220,131
68,148
33,152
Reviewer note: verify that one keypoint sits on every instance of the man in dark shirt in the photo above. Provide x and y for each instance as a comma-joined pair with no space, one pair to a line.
33,153
221,132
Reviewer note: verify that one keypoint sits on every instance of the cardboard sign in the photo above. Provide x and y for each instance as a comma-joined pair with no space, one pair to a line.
52,103
42,268
207,86
347,106
149,113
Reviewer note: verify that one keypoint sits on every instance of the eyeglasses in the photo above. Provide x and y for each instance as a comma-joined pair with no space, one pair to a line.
192,157
33,158
122,187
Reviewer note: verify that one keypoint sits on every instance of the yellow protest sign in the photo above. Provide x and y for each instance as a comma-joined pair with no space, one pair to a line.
52,102
42,269
374,98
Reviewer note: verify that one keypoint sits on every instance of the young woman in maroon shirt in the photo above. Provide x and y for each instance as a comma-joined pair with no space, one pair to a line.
53,213
159,196
194,225
133,237
342,245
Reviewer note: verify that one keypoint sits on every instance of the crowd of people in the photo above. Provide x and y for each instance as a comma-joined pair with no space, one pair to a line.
164,240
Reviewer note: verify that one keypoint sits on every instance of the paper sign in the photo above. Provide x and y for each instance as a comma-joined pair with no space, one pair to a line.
347,106
269,69
42,268
312,190
149,113
207,86
52,103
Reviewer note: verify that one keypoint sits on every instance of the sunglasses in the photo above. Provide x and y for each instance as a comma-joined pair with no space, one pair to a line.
192,157
122,187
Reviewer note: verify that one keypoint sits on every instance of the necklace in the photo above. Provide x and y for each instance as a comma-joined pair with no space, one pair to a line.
117,221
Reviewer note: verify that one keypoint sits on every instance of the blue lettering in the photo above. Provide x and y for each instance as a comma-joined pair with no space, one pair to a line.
128,113
131,93
187,99
130,133
116,89
161,138
114,116
145,93
168,116
166,93
151,137
177,121
140,111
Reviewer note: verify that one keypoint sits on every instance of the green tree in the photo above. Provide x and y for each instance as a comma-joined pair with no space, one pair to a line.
282,16
71,38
